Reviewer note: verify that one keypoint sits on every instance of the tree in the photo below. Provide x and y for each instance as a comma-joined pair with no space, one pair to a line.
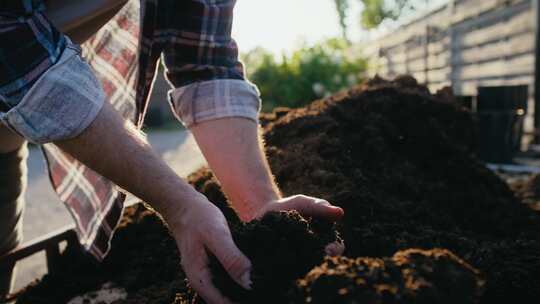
310,72
342,6
376,11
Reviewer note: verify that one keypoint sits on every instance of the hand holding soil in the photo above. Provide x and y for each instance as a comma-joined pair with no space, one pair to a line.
203,227
305,205
309,207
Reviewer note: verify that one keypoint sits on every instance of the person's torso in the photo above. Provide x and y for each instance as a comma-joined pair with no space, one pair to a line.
29,45
20,8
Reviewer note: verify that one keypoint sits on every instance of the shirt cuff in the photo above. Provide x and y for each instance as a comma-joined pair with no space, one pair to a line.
62,103
214,99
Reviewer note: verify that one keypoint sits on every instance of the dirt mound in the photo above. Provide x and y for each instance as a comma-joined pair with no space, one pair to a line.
282,247
528,190
409,277
399,161
144,261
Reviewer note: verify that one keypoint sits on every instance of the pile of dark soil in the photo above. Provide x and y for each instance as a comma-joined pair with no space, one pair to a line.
409,277
399,161
528,190
144,261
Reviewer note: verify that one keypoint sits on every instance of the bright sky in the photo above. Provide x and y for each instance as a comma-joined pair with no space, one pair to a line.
281,24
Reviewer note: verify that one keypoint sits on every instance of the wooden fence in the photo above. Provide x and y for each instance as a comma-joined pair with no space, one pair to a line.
464,44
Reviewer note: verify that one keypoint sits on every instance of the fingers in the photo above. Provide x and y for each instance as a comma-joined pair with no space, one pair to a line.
201,281
318,208
335,249
231,258
195,264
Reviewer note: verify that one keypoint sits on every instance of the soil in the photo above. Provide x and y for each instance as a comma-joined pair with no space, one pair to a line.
282,247
401,163
528,190
409,277
144,261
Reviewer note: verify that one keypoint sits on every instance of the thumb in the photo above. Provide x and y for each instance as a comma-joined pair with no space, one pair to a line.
237,265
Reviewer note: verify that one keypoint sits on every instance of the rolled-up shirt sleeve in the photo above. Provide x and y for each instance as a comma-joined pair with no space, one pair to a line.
61,104
47,92
214,99
201,63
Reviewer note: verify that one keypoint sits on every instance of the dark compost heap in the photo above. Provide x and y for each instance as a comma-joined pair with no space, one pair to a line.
528,190
399,161
411,276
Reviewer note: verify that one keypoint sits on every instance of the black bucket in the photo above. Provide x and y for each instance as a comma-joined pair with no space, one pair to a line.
501,113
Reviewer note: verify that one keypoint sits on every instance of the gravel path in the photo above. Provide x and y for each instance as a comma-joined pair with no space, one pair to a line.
45,213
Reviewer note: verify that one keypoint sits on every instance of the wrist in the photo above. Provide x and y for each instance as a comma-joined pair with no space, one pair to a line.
175,209
256,205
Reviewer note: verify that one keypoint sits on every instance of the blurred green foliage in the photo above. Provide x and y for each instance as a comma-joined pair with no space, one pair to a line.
376,11
309,73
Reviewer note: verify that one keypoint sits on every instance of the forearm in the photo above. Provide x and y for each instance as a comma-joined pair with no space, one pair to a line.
235,153
113,147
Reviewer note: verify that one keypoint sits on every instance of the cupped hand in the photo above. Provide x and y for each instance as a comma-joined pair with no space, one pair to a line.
309,207
200,228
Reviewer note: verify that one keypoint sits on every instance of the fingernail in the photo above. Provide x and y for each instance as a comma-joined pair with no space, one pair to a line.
336,208
246,281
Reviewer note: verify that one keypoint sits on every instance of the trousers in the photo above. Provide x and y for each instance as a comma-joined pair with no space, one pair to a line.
13,182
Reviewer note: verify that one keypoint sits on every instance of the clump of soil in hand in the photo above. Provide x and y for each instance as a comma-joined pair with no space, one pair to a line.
282,247
409,277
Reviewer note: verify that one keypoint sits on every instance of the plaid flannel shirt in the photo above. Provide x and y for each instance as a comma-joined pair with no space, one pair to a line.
29,48
194,40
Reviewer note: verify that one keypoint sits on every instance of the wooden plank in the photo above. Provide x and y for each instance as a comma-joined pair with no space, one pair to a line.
434,62
469,87
398,58
418,65
505,48
462,11
469,9
522,65
439,75
394,69
42,243
439,61
439,47
403,55
503,29
416,28
433,49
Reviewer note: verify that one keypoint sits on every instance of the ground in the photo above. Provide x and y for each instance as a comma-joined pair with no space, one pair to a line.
45,213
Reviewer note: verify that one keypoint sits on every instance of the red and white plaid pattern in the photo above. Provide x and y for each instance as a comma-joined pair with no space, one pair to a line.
194,37
93,201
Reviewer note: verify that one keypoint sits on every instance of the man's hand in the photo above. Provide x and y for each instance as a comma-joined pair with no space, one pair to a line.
309,207
200,228
195,222
234,149
305,205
